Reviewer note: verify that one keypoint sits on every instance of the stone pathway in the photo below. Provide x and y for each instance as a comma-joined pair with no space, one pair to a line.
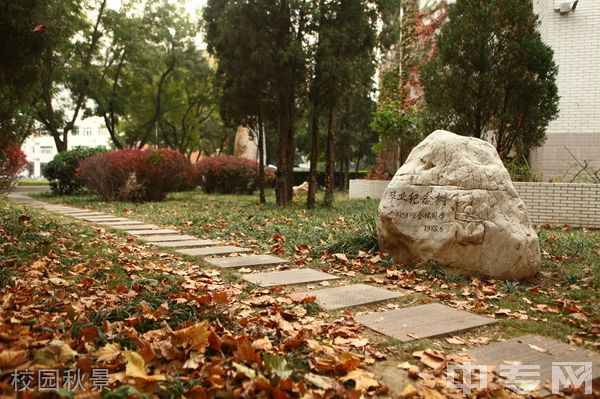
347,296
245,261
535,350
187,243
404,324
288,277
209,251
422,321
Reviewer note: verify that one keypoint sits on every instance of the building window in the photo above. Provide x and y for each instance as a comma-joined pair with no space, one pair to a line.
87,131
46,150
75,131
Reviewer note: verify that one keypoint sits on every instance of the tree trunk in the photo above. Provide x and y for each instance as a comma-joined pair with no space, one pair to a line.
329,161
282,178
314,159
261,161
346,173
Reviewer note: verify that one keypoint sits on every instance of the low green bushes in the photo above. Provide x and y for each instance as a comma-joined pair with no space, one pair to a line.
61,170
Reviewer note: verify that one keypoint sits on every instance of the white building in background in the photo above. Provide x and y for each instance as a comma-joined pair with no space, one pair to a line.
40,149
572,29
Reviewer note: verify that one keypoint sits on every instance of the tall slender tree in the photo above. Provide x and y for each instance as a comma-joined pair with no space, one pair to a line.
260,56
23,32
66,64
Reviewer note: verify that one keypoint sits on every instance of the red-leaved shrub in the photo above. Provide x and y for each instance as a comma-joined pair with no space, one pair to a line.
135,175
12,162
229,175
164,171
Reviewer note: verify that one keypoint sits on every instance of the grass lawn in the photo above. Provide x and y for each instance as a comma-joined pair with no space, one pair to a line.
568,284
120,282
28,183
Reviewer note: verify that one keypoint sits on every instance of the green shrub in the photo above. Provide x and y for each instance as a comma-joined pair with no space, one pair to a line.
520,170
61,170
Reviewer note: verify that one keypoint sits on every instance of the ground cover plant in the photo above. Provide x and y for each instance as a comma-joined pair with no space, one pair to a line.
61,170
139,297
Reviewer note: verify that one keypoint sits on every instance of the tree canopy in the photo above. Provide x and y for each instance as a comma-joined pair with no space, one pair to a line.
492,74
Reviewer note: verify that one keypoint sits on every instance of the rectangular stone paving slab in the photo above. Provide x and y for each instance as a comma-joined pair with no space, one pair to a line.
122,223
167,237
150,232
351,295
132,228
86,215
422,321
105,219
217,250
287,277
535,350
187,243
250,260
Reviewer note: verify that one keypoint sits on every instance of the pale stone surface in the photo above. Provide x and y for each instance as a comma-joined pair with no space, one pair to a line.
123,223
246,144
421,321
453,203
150,232
86,215
105,219
218,250
351,295
287,277
187,243
534,350
166,238
135,227
250,260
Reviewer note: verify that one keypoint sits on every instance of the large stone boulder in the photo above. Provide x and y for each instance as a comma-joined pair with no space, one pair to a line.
453,203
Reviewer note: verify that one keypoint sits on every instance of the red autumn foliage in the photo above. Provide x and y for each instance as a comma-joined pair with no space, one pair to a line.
12,162
229,175
136,175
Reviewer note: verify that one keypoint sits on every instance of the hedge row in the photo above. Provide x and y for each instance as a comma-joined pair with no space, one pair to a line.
149,175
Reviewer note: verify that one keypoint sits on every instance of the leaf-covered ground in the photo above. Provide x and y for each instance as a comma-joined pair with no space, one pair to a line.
74,296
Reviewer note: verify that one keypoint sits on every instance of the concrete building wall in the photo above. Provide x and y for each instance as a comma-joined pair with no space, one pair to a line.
40,149
575,39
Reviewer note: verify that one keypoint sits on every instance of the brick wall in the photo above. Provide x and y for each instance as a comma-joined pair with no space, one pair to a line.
577,205
575,40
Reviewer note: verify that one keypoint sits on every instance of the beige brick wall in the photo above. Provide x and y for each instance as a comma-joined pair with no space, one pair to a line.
575,204
575,40
553,161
